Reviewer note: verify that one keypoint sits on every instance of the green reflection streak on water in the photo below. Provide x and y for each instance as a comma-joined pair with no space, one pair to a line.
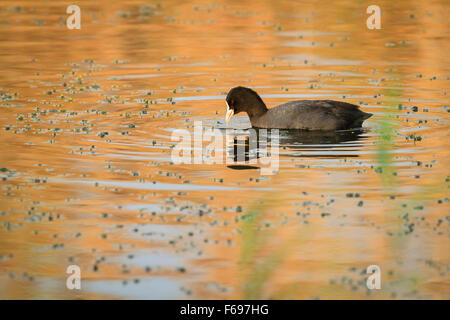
405,280
258,267
387,130
256,275
256,271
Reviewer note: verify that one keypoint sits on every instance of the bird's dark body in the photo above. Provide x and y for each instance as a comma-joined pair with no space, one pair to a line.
301,114
312,115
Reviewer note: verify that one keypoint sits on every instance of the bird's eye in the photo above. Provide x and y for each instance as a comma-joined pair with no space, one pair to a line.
232,102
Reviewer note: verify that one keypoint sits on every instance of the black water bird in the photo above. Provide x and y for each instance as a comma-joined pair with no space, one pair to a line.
301,114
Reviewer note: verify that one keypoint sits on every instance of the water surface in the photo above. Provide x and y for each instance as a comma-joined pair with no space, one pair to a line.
87,175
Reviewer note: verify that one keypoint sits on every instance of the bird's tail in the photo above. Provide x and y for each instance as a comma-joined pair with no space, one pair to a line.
358,122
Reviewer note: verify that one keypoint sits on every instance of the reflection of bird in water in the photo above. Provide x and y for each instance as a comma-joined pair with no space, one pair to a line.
253,144
301,137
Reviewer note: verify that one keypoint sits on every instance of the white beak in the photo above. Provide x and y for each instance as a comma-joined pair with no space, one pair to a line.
230,113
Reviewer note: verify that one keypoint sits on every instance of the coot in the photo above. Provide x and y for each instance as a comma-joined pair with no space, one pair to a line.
300,114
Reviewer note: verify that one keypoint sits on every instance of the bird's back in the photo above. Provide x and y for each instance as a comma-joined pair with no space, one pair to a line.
312,115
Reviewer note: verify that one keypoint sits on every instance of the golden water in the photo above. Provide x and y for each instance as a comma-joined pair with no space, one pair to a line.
87,176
